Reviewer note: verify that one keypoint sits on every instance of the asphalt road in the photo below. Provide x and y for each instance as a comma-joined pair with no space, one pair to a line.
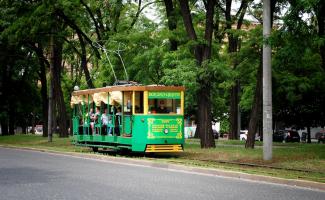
35,175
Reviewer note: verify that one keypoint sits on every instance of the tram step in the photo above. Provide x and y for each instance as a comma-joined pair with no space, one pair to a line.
164,148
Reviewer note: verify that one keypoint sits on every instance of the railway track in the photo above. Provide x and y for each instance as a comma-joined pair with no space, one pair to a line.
258,165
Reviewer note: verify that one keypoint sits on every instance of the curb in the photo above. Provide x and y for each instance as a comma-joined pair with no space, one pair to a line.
187,169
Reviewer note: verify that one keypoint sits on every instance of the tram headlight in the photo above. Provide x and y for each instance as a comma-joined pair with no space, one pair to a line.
166,131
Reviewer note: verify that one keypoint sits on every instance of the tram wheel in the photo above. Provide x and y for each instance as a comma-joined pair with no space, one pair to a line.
95,149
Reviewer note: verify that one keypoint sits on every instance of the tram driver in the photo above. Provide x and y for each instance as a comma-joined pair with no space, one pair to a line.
162,108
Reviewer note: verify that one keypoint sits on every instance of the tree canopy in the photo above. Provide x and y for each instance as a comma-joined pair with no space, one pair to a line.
213,48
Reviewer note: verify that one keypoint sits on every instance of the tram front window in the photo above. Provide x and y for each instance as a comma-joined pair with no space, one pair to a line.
164,106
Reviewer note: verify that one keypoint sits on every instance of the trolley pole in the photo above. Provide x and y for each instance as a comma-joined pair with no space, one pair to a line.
267,83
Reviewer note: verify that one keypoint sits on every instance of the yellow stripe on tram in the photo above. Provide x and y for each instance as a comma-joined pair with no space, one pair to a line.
164,148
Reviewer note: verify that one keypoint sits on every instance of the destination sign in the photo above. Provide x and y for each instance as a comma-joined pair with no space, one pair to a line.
164,95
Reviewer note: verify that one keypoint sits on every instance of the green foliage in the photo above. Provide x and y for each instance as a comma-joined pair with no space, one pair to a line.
19,94
249,59
181,69
67,87
224,125
298,79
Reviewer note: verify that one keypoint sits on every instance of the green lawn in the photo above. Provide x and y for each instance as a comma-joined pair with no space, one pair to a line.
39,142
294,161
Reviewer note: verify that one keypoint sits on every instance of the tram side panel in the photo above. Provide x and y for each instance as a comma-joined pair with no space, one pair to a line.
139,130
158,133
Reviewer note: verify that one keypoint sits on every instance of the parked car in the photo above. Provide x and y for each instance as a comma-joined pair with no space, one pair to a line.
286,136
278,136
258,137
29,129
303,136
243,135
321,137
39,129
292,136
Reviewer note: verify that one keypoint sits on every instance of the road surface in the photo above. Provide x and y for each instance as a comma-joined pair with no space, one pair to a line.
32,175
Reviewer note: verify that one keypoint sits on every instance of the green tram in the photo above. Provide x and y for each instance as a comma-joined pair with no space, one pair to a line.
134,117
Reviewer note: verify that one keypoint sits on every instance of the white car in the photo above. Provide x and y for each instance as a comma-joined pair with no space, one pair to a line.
39,130
243,135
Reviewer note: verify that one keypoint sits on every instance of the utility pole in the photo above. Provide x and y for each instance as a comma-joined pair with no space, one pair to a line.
50,109
267,82
238,112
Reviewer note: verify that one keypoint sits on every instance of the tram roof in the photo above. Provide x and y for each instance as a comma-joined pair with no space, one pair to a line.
129,88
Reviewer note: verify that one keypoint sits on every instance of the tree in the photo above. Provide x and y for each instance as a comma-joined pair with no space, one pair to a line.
172,22
233,47
18,87
299,78
202,53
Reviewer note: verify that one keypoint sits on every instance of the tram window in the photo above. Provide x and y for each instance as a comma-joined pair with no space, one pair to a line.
76,110
163,106
138,102
79,110
127,102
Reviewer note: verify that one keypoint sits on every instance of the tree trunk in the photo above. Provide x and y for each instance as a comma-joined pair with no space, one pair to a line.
172,22
12,117
55,118
33,124
204,126
5,82
218,35
234,101
260,126
196,134
233,46
187,20
4,127
44,98
57,89
51,74
43,62
12,120
234,97
24,126
308,135
84,61
256,112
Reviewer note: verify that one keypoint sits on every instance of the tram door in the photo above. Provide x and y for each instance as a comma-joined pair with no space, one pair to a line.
127,112
75,120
